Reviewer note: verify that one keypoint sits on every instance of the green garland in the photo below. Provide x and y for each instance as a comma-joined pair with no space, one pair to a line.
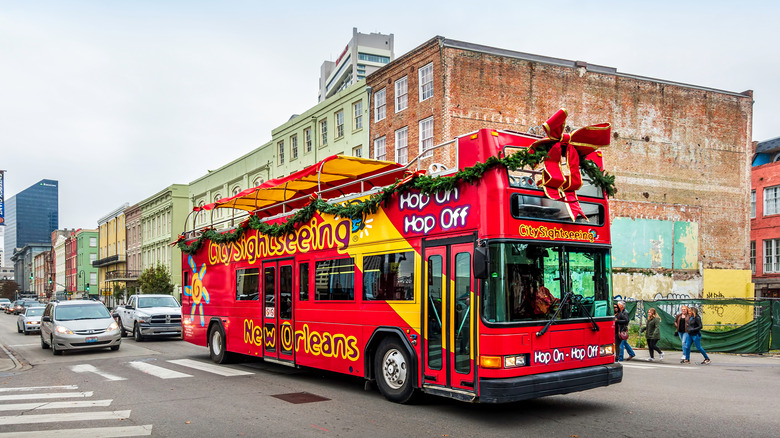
423,183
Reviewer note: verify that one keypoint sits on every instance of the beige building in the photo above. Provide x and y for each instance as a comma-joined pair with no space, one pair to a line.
112,255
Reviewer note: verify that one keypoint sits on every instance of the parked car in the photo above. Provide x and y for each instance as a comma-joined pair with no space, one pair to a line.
30,320
4,303
78,325
20,305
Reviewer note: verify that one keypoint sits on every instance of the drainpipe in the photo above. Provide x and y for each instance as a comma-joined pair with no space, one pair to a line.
370,145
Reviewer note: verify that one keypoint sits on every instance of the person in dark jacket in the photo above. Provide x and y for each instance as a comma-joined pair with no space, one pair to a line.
679,325
653,333
621,322
693,325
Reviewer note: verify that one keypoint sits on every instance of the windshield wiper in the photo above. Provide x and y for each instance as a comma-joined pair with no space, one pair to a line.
550,322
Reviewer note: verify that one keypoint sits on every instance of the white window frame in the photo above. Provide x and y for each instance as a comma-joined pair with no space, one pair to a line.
357,115
401,94
280,148
357,151
402,145
294,147
425,76
752,203
339,117
323,132
380,105
753,256
307,139
380,148
426,137
771,256
771,200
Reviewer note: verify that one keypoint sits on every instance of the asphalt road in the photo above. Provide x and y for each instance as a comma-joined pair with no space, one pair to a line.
171,389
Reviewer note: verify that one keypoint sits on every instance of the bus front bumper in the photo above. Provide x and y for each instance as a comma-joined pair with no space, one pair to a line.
554,383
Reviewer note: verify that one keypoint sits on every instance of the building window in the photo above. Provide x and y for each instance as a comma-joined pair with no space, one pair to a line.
92,257
93,242
257,181
401,146
294,147
236,190
752,203
401,94
771,200
771,256
357,151
335,280
357,113
426,81
379,105
339,124
307,140
380,151
753,257
373,58
426,137
281,152
323,133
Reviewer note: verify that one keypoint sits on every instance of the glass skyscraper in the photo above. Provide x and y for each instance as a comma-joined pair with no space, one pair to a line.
30,217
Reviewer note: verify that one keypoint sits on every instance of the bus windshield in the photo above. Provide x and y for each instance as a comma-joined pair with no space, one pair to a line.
528,281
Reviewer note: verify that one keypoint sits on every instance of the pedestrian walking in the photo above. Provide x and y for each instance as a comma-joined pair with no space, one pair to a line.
621,322
653,333
679,325
694,325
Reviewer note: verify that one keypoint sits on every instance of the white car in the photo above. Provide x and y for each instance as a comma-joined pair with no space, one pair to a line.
78,325
30,320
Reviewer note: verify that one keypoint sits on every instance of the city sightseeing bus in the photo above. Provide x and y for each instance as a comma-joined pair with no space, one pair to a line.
485,291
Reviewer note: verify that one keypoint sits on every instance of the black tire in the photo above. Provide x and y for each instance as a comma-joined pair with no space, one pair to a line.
54,350
18,330
26,332
122,331
394,371
44,345
114,347
217,346
137,333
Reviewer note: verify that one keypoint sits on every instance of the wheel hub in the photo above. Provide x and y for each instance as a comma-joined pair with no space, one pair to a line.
394,369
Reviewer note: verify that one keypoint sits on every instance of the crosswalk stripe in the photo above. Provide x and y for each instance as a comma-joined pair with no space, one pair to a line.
216,369
84,368
157,371
45,395
38,388
647,366
96,432
55,405
71,416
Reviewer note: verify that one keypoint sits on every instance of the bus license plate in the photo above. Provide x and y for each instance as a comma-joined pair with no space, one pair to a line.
92,339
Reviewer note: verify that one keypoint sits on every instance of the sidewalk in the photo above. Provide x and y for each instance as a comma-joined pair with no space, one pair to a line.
7,361
672,357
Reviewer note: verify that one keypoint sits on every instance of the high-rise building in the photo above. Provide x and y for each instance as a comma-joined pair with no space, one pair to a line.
30,217
363,55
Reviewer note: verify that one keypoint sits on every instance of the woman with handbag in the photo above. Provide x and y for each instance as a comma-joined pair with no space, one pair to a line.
621,322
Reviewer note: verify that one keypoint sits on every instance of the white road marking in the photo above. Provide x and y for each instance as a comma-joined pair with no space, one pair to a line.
37,388
70,416
157,371
97,432
45,395
55,405
216,369
656,366
91,369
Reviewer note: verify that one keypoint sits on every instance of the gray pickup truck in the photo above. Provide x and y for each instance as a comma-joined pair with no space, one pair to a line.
150,315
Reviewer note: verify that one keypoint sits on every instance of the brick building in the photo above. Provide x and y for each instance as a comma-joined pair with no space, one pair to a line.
680,152
765,219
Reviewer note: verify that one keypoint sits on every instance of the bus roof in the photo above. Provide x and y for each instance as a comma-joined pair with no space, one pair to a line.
335,176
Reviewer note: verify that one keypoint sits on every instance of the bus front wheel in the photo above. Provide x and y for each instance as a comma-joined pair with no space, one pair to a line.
217,347
392,368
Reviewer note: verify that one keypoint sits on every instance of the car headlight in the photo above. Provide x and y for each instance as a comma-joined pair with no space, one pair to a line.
113,326
142,317
64,330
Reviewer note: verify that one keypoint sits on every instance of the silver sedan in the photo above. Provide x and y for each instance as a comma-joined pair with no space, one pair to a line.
30,320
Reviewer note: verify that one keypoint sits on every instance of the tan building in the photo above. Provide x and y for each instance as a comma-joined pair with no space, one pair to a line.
112,252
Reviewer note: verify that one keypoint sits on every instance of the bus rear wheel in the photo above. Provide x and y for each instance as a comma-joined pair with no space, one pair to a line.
217,347
392,367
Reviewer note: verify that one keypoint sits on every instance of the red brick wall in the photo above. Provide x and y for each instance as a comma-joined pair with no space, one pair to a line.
764,227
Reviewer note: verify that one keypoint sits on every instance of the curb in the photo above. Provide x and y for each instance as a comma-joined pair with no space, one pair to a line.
8,361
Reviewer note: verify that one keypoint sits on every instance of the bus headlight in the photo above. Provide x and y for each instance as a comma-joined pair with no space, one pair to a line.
490,361
607,350
515,361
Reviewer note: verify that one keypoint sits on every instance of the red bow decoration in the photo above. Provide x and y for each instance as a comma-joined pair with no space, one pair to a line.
561,177
409,177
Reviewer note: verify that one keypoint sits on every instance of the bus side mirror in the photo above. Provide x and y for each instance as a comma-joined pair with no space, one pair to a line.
480,267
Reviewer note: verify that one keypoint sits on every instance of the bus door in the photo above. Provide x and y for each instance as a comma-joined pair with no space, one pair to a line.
278,309
449,317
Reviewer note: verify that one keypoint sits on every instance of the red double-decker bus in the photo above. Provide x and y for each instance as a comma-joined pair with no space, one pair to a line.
478,287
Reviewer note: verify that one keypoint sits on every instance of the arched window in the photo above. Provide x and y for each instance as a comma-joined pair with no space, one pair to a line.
201,214
776,158
257,181
217,211
236,190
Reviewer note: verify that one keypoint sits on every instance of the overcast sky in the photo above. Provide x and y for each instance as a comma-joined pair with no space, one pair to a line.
119,99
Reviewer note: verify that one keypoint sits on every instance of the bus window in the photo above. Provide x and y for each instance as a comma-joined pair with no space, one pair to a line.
303,282
389,277
247,284
335,280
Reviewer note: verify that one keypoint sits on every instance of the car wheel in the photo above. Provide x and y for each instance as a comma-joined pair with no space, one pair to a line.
114,347
26,332
122,331
392,368
217,347
137,333
44,345
54,349
18,330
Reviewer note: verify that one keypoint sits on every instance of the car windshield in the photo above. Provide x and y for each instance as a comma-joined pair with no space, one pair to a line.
81,311
146,302
34,311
